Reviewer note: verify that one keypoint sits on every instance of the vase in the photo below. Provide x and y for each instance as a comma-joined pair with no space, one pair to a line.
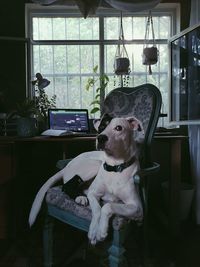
26,127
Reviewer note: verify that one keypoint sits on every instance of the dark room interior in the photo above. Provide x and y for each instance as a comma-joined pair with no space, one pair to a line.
42,70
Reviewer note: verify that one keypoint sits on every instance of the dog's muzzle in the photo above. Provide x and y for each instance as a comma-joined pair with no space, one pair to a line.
101,140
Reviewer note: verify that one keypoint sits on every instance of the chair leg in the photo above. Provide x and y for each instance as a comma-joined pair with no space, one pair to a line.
116,251
48,241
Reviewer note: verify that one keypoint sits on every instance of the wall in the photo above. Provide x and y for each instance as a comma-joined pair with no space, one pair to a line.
12,67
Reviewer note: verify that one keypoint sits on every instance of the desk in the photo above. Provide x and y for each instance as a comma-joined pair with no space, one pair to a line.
35,160
67,144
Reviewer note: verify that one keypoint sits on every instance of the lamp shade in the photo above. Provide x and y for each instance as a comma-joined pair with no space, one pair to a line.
41,82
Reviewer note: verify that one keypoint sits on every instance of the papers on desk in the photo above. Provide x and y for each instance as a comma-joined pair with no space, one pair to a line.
53,132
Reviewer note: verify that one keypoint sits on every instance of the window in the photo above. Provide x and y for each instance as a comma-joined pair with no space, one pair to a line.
66,48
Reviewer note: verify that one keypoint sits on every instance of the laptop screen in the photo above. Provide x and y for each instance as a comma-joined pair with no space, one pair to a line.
69,119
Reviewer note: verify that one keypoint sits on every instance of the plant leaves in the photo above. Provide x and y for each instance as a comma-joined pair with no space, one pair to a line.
107,78
97,96
87,87
95,68
97,102
94,110
98,89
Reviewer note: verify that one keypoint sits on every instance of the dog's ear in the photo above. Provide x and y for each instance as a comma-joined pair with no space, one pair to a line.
96,124
135,124
101,124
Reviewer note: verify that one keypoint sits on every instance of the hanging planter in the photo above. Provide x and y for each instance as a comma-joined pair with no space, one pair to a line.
121,62
150,52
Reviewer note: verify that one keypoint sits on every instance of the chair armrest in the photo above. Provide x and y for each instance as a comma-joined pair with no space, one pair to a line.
155,167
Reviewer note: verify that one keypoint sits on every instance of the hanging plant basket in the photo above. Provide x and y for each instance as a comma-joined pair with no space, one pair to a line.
121,61
122,66
150,51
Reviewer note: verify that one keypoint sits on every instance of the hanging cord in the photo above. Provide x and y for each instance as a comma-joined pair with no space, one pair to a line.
147,37
123,52
152,29
147,32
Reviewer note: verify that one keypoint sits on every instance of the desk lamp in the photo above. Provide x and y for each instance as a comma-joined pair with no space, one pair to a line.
40,81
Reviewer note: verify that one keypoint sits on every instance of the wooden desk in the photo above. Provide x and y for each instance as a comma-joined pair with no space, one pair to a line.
35,159
70,146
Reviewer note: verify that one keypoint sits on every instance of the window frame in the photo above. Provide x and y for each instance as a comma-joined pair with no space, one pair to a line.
32,10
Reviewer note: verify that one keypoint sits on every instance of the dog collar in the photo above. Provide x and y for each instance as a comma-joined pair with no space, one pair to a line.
120,167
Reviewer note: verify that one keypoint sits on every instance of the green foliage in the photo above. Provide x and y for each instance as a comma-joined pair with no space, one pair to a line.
102,82
43,103
26,108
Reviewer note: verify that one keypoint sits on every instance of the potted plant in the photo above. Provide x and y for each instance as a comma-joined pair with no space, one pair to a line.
42,104
103,81
42,101
26,118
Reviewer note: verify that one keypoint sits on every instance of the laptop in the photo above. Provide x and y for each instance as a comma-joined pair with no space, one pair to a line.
67,122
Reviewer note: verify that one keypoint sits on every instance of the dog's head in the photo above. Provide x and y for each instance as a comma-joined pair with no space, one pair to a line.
115,135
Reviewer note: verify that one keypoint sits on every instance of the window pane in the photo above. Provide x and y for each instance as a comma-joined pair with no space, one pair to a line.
65,29
161,27
163,58
111,28
82,58
139,26
73,58
69,66
89,29
42,29
135,27
60,61
43,58
74,91
59,29
89,57
61,91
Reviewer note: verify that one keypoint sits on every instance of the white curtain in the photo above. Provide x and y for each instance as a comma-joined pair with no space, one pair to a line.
89,7
133,5
194,130
124,5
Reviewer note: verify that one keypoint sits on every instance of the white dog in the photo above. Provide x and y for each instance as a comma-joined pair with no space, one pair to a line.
114,166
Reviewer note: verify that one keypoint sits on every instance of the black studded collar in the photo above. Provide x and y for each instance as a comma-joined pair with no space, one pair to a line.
120,167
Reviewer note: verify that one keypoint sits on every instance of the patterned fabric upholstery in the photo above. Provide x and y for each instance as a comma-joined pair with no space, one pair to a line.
125,102
56,197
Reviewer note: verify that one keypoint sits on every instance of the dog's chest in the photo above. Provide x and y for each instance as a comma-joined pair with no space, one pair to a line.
115,182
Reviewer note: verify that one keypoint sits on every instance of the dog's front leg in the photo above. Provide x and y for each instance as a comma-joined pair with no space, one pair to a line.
106,213
96,213
131,211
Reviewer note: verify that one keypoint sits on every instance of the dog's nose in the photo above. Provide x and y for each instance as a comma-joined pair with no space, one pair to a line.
102,138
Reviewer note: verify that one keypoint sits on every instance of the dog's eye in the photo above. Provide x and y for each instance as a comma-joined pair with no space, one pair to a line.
118,128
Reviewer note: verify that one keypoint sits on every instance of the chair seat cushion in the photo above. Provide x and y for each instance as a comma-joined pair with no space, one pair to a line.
56,197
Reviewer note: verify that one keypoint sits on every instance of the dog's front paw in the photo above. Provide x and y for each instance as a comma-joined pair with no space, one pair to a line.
92,233
81,200
106,213
101,234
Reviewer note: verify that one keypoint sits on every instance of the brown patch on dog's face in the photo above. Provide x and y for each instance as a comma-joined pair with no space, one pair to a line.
101,124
